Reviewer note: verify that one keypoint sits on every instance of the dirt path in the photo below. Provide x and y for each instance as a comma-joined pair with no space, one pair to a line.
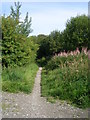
34,106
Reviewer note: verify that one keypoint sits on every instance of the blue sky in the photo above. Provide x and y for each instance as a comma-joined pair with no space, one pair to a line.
48,16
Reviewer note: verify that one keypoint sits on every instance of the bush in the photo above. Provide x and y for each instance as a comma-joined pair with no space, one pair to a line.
58,61
17,47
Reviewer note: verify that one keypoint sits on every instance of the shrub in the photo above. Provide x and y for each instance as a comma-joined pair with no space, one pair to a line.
68,80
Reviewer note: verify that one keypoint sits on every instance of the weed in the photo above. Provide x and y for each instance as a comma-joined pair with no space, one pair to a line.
67,81
19,78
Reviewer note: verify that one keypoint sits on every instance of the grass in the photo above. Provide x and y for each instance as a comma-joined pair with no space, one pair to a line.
19,79
51,100
68,81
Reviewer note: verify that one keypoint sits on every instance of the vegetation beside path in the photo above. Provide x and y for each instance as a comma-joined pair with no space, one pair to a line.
18,52
19,79
62,54
66,78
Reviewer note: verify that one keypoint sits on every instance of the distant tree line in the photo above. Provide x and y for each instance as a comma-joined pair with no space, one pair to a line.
75,35
20,49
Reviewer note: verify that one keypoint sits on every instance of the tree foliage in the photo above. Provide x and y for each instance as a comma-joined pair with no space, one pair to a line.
43,42
17,48
26,26
55,42
22,27
15,14
76,33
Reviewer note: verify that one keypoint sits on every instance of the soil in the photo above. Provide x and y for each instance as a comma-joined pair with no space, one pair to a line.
32,105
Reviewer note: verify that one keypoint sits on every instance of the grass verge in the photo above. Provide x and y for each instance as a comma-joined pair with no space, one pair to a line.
18,79
68,81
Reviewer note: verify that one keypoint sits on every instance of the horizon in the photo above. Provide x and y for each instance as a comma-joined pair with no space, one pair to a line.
48,16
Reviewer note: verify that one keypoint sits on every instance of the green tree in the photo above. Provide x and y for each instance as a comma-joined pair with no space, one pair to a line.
76,33
26,26
17,49
48,45
15,13
55,42
44,48
22,27
43,42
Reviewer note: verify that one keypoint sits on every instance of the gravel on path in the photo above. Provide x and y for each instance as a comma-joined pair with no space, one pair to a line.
32,105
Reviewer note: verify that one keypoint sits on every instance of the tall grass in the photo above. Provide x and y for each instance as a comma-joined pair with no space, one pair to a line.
66,78
18,79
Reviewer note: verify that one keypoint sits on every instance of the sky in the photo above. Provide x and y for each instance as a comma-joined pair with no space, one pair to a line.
48,16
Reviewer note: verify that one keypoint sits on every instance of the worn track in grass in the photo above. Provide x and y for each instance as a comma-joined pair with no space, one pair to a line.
21,105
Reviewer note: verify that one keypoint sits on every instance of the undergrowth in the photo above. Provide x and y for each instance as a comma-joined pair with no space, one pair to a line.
66,78
18,79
